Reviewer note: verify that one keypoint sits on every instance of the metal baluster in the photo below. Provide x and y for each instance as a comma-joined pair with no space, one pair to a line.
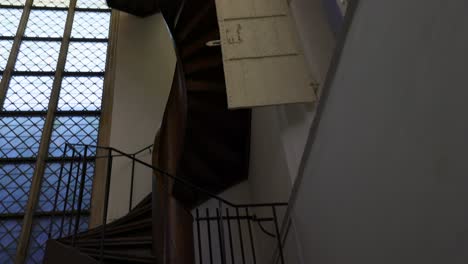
72,212
251,236
230,235
200,256
80,196
106,204
209,234
221,233
241,239
54,211
131,184
278,236
65,201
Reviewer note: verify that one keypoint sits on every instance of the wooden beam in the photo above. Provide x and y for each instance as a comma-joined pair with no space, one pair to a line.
141,8
23,243
4,83
105,125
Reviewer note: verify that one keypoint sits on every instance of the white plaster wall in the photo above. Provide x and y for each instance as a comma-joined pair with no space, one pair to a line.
343,4
238,194
385,180
145,64
279,133
318,44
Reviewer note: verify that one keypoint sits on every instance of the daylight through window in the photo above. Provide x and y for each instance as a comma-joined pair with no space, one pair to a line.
52,65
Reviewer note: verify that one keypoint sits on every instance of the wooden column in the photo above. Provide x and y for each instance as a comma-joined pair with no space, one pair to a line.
172,222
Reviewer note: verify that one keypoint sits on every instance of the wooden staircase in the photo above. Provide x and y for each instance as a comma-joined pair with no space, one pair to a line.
127,240
217,140
200,141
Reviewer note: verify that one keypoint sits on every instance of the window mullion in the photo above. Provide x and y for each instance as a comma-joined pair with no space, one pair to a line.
99,180
45,140
14,52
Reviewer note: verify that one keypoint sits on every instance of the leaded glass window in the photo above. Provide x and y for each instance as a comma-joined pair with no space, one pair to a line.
47,97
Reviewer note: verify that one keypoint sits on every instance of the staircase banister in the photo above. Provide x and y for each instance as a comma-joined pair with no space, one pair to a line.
183,181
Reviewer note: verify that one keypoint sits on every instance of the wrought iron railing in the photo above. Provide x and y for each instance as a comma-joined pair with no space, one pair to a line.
223,231
229,233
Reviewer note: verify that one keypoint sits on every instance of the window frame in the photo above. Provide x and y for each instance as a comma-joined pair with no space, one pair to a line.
51,112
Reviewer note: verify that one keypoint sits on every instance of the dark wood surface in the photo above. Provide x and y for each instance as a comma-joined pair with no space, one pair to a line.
200,141
58,253
140,8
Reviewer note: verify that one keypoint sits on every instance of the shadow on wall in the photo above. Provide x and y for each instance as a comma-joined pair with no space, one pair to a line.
334,14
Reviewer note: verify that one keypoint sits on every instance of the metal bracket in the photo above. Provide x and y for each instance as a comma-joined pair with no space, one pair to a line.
214,43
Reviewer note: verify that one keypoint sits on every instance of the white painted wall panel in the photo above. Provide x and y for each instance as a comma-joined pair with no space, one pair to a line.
264,64
231,9
259,37
266,81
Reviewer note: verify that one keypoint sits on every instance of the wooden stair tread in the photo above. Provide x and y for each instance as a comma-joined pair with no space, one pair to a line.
110,231
188,50
120,241
204,86
194,21
120,255
202,64
144,202
134,214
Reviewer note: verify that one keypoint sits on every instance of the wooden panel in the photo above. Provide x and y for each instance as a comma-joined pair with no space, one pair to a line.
263,62
267,81
259,37
231,9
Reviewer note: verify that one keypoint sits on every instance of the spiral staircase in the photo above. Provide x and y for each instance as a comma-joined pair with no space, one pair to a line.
200,141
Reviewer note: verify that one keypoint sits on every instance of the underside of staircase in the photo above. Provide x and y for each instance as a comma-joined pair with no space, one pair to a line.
215,140
127,240
200,141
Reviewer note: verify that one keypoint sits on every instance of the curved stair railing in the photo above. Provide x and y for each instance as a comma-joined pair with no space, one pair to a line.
224,232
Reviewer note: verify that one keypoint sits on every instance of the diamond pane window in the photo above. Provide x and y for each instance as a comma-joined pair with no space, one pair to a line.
91,25
100,4
50,185
10,231
46,23
12,2
15,183
74,130
51,3
86,57
5,47
88,187
39,235
20,136
9,21
38,56
28,93
81,93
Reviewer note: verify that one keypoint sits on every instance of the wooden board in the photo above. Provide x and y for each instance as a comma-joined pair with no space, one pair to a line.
263,62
